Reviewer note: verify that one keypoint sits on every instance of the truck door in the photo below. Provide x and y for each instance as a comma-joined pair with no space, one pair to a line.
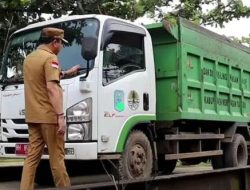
125,90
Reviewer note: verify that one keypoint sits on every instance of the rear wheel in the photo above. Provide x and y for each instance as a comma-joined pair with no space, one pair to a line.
137,158
236,153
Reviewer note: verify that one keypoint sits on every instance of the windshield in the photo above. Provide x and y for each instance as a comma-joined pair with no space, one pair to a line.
23,43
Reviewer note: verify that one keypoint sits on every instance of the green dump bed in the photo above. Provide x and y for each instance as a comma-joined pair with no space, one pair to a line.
199,75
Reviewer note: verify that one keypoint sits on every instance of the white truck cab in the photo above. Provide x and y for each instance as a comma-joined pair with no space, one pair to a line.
113,92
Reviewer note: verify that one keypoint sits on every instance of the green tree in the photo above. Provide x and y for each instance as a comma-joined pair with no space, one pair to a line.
206,12
18,13
218,11
15,14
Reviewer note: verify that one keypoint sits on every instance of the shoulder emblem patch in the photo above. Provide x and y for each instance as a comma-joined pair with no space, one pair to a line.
55,64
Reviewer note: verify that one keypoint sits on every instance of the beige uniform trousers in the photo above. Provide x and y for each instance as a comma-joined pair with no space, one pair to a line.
39,136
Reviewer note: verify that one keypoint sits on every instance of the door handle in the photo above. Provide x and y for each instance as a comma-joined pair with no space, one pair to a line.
145,101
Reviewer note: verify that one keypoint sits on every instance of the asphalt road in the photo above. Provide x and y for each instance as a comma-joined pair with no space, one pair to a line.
10,175
10,179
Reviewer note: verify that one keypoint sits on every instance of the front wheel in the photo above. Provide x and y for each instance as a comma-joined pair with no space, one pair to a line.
137,159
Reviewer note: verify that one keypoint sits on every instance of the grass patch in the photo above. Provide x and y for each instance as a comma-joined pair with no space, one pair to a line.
4,160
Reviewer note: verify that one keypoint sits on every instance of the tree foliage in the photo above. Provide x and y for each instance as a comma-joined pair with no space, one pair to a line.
15,14
203,11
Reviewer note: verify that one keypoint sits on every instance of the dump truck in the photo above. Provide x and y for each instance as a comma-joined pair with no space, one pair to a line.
144,98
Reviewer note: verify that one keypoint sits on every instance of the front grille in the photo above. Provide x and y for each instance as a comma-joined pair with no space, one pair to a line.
18,121
45,151
21,131
5,130
18,140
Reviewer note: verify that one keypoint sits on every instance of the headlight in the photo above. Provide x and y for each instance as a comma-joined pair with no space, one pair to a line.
80,112
79,131
79,120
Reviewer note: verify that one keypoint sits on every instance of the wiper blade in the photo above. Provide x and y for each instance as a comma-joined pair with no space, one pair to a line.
14,80
82,69
4,84
9,81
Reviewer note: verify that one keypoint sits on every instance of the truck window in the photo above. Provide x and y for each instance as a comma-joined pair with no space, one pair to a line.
19,47
124,55
23,43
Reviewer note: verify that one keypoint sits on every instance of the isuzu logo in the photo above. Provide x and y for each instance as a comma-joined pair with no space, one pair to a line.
22,112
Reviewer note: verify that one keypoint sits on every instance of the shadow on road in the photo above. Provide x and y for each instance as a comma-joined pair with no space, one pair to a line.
10,173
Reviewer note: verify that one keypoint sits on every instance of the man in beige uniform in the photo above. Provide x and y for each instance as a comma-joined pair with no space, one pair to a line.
44,109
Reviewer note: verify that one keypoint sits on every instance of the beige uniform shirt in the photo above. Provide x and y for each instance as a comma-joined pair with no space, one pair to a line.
40,67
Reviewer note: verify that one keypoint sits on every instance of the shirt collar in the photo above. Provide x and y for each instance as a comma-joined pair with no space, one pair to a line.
45,48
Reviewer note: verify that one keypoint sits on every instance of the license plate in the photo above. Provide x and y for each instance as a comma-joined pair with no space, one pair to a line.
21,149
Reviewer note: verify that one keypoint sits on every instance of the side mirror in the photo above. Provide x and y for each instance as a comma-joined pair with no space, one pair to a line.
89,48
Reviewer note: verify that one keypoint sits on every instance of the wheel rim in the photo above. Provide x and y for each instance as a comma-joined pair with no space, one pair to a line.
137,160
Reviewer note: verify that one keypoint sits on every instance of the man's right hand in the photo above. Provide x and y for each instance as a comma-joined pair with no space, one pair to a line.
61,125
73,70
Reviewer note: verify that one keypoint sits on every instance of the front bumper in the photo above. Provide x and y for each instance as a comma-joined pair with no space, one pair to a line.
73,151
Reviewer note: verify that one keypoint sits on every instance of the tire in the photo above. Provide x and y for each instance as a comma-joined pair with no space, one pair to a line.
166,166
137,159
236,154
